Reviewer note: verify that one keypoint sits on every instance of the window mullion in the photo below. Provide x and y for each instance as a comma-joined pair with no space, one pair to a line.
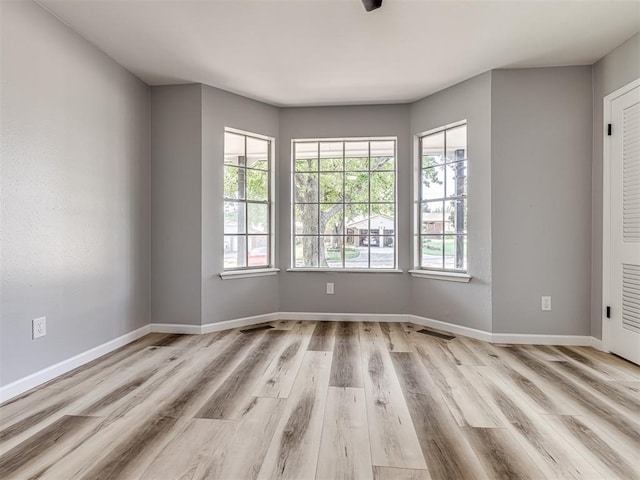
369,206
269,212
344,208
319,209
246,208
444,204
419,187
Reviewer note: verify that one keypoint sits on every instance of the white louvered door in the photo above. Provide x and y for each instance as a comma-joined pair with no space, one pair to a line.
624,327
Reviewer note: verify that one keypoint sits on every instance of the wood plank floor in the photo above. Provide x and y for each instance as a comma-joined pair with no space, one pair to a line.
329,400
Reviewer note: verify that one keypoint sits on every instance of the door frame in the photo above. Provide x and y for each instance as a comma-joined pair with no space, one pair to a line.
606,209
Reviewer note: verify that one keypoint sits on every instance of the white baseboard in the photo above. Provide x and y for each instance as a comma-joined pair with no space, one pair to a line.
20,386
214,327
27,383
176,328
598,344
240,322
343,317
483,335
533,339
450,327
507,338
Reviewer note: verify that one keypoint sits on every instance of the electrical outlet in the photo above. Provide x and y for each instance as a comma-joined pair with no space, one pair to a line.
39,327
329,288
545,303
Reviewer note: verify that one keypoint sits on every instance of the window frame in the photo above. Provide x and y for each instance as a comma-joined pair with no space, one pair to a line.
292,226
254,270
455,275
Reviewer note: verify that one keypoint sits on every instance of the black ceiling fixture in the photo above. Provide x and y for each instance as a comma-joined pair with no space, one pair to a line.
371,4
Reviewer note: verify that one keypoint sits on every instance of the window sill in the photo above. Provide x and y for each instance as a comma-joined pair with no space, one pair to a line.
346,270
235,274
446,276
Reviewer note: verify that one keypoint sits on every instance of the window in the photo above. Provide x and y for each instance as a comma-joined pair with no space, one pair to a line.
344,204
442,203
248,197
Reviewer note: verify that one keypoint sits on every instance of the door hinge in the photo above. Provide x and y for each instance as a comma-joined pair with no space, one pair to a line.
609,129
608,312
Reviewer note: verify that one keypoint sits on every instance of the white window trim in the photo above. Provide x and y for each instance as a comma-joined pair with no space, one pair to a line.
257,272
293,268
345,270
417,271
442,275
247,272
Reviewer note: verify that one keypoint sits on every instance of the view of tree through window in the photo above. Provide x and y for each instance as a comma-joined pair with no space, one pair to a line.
442,236
247,201
344,204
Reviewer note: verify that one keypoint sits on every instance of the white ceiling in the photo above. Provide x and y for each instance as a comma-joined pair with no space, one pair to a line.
319,52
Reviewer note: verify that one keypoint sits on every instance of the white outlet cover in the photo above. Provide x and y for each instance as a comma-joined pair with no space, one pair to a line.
39,326
545,303
329,288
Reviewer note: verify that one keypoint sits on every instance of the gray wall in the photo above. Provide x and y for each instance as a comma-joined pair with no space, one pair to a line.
229,299
467,304
75,194
176,170
81,198
615,70
541,199
188,123
354,292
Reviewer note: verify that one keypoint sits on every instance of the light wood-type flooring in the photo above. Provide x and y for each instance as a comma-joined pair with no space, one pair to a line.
329,400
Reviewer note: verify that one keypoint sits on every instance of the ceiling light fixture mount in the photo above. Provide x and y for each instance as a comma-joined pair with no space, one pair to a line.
370,5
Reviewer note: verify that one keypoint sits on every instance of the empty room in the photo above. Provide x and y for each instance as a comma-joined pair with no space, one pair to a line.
319,239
